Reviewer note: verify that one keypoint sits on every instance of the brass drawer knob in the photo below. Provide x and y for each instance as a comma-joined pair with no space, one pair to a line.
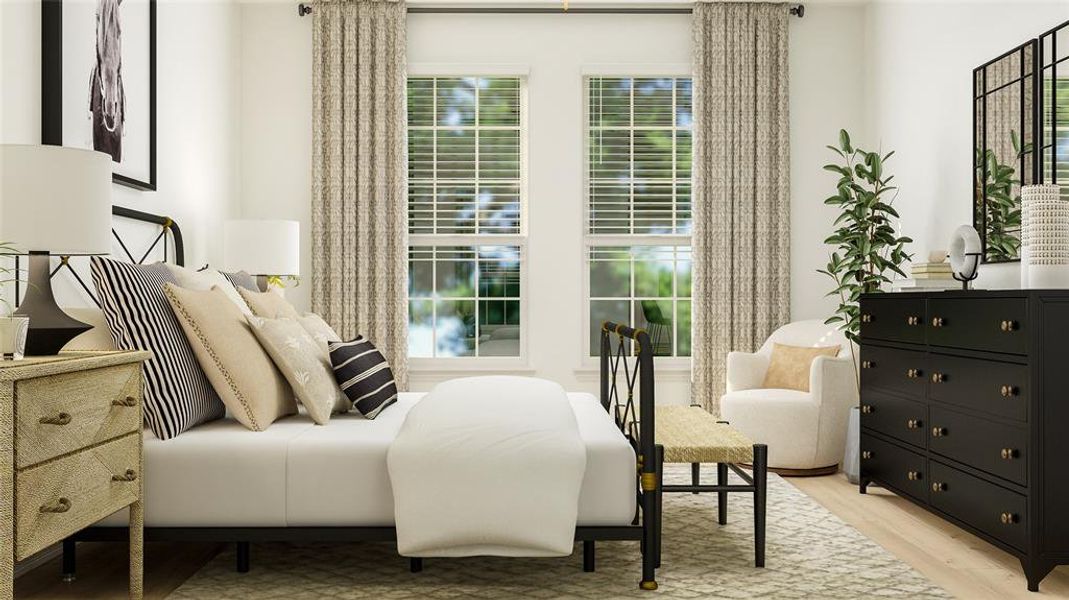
939,431
913,424
939,487
866,318
913,373
938,377
867,364
913,476
128,401
938,321
1009,453
911,320
59,506
1007,326
129,475
1008,518
60,419
866,454
867,409
1007,391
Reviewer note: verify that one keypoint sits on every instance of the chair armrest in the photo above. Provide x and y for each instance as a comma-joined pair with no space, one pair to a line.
745,371
833,379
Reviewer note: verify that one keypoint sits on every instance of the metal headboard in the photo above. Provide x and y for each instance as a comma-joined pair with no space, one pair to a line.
167,225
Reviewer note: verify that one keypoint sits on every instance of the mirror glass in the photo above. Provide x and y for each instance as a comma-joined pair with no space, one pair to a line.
1054,107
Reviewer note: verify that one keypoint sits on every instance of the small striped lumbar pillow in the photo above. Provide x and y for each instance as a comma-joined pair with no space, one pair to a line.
364,375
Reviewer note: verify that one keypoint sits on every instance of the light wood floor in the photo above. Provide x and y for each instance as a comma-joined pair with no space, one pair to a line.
961,563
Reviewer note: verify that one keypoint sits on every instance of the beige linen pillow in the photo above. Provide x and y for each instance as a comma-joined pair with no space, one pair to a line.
788,368
303,364
268,305
239,369
319,329
206,280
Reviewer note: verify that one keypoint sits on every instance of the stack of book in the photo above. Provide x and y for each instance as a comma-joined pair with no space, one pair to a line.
928,276
939,270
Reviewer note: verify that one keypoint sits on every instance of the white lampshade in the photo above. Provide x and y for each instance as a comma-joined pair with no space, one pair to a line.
55,199
262,247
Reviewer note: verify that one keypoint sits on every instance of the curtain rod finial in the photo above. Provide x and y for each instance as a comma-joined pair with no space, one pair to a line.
798,11
304,9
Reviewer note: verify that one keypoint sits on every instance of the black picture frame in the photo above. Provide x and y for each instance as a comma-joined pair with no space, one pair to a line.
1053,111
52,87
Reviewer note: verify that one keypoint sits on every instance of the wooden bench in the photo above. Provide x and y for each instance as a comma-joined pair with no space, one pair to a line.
689,434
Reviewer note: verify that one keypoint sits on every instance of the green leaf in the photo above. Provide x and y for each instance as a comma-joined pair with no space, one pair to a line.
844,142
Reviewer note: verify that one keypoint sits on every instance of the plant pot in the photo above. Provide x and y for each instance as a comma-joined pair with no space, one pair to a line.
13,337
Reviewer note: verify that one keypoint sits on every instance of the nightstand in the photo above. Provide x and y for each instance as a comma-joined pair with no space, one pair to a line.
70,452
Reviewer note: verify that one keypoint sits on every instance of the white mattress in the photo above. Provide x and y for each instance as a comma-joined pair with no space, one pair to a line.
299,474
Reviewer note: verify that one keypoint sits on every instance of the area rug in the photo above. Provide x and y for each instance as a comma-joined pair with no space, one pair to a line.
810,554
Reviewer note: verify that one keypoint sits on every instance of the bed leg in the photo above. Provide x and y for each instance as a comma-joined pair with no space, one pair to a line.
70,564
588,556
695,475
660,503
649,531
244,552
760,480
415,564
722,497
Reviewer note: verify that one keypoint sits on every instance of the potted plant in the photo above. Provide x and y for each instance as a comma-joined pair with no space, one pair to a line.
12,329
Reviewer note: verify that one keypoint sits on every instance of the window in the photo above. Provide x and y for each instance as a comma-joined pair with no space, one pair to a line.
465,216
638,208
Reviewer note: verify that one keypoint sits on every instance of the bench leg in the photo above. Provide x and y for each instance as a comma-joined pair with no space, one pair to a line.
415,564
70,564
243,557
588,556
722,497
695,475
760,480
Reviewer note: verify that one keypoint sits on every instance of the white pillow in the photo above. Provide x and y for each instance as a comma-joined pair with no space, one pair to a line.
207,279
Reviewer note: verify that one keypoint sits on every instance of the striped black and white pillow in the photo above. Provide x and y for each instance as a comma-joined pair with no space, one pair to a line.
241,279
177,394
364,375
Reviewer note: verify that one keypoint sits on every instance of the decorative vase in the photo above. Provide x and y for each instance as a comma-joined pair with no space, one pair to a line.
1046,257
13,337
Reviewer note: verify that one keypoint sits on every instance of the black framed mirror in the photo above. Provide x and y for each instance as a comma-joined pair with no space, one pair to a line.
1054,107
1005,130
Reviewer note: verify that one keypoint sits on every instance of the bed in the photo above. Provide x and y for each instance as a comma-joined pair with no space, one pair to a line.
299,482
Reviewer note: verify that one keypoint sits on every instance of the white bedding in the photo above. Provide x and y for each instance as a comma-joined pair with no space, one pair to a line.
299,474
488,466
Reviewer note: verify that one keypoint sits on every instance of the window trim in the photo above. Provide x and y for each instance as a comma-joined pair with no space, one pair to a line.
429,365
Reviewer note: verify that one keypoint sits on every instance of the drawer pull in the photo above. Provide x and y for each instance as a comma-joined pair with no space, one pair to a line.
938,321
866,318
128,401
60,419
939,431
913,320
939,487
1007,326
129,475
866,454
1008,391
867,364
868,409
1009,453
1008,518
913,373
938,377
59,506
913,424
913,476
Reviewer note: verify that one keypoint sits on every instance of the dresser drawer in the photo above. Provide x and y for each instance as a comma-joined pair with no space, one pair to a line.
893,319
895,466
902,371
992,324
58,414
994,510
996,448
997,388
895,416
61,497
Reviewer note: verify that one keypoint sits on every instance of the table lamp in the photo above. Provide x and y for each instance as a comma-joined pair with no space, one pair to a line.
54,201
264,248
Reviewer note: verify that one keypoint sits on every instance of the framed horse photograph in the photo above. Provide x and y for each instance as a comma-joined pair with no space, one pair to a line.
98,82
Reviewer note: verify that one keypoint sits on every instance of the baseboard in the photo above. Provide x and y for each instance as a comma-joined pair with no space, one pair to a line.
38,559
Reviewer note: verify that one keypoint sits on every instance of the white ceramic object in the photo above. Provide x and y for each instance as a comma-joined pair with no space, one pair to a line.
13,337
964,251
1044,238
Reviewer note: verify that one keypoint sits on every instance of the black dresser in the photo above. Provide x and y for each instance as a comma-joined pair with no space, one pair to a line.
965,411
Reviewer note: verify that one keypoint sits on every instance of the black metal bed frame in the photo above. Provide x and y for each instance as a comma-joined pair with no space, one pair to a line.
637,424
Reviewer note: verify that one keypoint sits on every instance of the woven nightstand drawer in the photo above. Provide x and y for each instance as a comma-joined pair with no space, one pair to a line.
63,496
61,413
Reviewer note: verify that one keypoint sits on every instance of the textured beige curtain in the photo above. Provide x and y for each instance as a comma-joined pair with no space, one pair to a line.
741,235
359,205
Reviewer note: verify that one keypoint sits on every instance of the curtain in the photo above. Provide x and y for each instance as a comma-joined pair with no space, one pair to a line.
359,204
741,234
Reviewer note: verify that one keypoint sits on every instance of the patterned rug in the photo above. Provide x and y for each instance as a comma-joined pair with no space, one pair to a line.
810,554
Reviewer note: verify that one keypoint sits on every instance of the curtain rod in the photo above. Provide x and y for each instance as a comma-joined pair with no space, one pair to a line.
303,9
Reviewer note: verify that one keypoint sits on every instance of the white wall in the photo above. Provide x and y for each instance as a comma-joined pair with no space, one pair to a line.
197,96
920,61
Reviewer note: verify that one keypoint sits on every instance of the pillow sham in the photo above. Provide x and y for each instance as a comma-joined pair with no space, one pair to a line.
242,373
205,280
304,364
788,368
177,393
319,329
241,279
268,305
364,375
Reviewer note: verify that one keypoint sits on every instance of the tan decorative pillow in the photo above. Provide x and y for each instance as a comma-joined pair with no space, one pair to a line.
319,330
206,280
788,368
268,305
239,369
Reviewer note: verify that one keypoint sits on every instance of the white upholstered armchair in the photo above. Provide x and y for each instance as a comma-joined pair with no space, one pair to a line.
805,431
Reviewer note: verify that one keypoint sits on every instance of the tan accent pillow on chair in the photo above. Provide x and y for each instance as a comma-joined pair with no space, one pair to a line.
268,305
788,369
239,369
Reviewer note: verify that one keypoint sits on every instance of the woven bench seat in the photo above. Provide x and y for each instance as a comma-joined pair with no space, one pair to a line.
689,434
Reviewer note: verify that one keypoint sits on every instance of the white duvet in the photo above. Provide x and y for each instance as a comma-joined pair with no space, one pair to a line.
488,466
